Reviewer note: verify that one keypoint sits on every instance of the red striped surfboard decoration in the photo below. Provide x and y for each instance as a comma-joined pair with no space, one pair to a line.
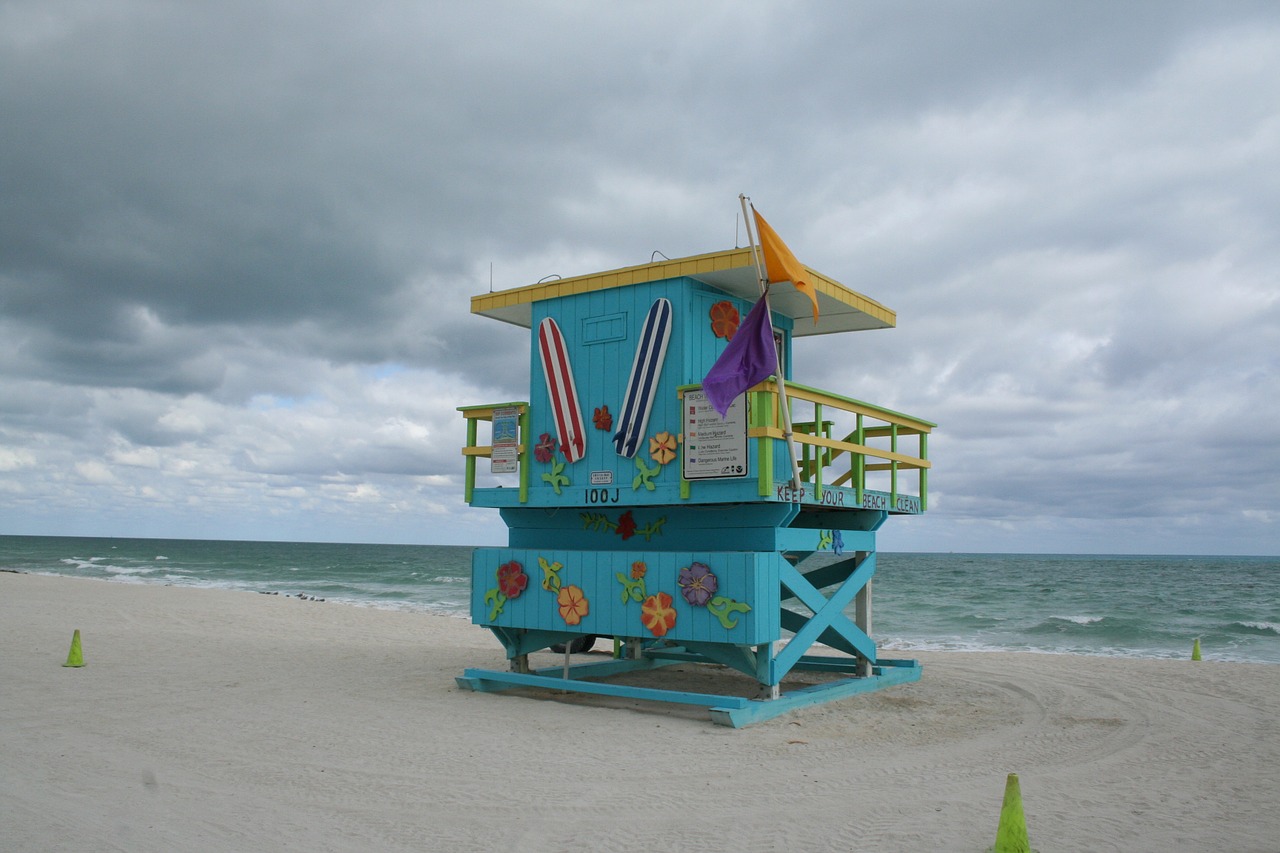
562,390
642,387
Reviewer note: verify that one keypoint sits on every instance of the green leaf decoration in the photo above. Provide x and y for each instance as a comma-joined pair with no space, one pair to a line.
632,590
723,609
550,574
646,475
496,600
556,478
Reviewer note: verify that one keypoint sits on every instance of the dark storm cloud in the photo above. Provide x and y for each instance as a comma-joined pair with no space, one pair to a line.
237,240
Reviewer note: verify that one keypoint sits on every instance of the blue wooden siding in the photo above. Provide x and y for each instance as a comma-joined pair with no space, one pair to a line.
751,578
601,330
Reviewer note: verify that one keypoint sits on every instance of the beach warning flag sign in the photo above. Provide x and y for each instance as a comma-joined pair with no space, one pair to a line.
781,265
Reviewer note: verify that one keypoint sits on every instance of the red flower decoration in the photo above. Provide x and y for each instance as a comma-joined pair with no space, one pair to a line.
545,449
657,614
511,579
626,525
638,570
724,320
603,420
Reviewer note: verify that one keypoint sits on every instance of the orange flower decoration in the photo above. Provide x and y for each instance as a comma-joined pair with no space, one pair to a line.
573,604
602,419
638,570
657,614
662,448
724,320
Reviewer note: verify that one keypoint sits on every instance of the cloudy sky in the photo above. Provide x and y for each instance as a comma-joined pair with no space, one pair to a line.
238,242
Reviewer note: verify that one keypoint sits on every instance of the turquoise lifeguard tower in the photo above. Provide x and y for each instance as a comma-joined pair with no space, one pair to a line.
635,511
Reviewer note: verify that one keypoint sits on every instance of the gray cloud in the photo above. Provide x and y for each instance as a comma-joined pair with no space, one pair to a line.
237,244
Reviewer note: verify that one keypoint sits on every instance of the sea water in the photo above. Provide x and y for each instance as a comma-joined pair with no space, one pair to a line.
1126,606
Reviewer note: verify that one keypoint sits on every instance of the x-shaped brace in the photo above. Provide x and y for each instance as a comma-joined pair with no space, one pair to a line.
829,624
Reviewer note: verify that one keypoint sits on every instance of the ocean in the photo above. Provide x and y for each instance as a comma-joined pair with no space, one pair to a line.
1121,606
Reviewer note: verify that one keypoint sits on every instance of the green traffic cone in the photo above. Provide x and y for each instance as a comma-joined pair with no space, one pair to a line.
1195,649
1011,836
75,657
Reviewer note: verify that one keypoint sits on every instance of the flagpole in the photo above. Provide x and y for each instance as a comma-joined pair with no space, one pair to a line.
784,406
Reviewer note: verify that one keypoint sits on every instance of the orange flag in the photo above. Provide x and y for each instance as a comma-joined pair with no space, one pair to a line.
781,265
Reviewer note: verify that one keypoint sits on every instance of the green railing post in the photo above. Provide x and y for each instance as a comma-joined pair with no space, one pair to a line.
924,473
762,416
893,465
469,485
685,487
522,455
860,462
819,453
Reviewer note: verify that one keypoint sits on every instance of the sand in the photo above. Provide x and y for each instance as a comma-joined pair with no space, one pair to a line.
215,720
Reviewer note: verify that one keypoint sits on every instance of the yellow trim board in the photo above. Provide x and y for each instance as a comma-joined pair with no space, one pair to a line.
732,270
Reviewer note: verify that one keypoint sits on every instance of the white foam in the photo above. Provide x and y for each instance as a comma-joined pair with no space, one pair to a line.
1078,620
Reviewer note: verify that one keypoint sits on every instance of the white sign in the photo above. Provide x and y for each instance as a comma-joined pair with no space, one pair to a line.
714,447
505,454
602,478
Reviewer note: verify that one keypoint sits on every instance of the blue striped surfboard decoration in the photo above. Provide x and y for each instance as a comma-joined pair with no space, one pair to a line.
642,387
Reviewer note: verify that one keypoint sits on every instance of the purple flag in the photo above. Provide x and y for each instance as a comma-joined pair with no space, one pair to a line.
749,358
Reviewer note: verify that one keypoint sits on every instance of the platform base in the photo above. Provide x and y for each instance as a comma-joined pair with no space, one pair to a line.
725,710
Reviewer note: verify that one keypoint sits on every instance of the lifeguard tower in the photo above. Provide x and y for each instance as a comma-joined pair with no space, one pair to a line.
635,511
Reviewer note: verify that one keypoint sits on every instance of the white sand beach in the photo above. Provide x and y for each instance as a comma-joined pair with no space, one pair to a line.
228,721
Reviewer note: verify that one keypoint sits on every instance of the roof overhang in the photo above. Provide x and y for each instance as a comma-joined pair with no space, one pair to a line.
732,271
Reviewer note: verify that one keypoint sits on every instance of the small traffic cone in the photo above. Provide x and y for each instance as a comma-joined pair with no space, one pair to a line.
1195,649
75,657
1011,836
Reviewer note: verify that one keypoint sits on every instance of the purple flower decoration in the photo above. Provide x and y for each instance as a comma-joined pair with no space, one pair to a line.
697,584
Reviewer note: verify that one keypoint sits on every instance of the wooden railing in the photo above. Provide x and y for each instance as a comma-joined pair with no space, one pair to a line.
840,441
869,440
473,451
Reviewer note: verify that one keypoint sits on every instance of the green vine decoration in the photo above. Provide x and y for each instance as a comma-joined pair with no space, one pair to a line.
597,521
625,526
632,590
824,540
496,600
646,475
550,574
651,529
556,478
723,609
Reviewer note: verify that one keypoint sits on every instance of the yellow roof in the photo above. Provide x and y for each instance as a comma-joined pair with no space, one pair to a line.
733,271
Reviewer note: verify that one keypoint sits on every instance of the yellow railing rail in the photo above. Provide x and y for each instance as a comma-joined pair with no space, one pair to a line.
473,451
839,442
815,415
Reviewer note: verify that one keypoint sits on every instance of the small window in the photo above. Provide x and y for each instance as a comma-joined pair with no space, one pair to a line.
605,328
